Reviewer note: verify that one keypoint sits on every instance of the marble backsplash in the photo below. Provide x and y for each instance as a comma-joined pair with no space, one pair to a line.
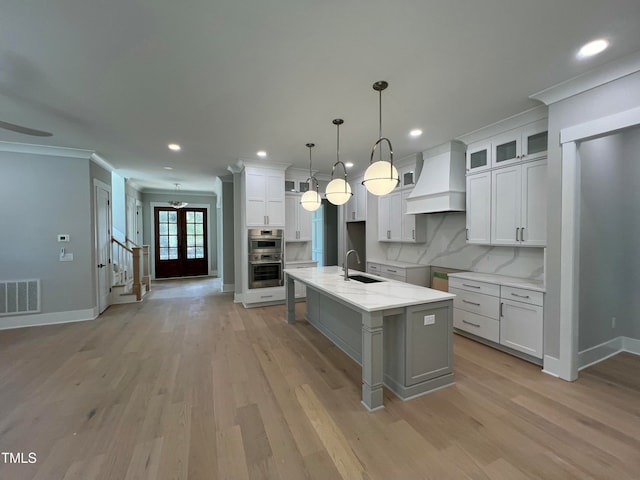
295,251
446,247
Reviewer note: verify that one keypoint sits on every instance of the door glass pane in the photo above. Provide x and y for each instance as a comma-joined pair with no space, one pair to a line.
164,216
199,252
173,229
199,240
164,241
289,186
190,229
191,252
173,254
173,241
506,151
191,241
164,228
190,217
164,254
537,143
173,217
199,217
478,159
199,229
407,179
304,187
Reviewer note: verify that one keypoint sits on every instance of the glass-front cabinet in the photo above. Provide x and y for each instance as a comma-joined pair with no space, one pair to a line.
478,157
520,144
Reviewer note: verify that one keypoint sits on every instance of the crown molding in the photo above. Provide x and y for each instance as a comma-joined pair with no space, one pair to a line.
242,163
601,75
46,150
514,121
180,193
98,160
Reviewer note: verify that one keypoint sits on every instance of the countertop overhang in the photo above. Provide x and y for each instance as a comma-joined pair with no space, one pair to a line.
516,282
369,297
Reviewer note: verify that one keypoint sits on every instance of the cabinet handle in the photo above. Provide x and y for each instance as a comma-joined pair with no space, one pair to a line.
471,323
522,234
353,215
471,303
472,286
392,271
388,234
467,233
501,304
519,296
413,234
267,219
518,234
266,296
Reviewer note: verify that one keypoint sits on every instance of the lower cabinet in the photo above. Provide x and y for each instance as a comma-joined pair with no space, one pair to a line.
414,274
508,316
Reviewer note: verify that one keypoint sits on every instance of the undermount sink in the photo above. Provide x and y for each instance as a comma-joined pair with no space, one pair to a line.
363,279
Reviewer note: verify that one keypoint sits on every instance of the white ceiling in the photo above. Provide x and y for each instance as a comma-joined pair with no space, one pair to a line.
226,78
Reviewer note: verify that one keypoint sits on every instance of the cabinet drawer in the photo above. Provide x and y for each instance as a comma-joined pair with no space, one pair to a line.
395,271
521,295
260,295
373,268
484,327
476,303
473,286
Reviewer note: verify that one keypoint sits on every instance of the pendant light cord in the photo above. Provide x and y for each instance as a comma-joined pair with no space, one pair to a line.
380,119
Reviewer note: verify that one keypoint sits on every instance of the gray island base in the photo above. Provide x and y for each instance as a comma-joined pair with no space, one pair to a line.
400,334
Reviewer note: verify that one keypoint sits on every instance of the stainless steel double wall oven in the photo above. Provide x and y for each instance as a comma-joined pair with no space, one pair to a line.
265,257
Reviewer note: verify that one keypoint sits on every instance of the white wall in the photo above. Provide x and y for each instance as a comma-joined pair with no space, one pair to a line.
41,197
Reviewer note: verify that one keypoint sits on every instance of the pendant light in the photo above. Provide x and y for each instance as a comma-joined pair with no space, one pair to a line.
311,198
381,177
177,203
338,190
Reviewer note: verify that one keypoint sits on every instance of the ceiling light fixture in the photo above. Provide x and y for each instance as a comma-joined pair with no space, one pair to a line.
174,147
416,132
168,168
338,190
177,203
348,164
261,153
310,199
593,48
381,177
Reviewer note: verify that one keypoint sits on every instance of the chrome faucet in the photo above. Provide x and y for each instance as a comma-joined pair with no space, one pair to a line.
346,263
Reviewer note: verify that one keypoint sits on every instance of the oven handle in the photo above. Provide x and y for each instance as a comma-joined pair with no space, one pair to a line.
265,262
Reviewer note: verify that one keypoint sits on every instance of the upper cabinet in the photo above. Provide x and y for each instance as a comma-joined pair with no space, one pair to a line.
394,224
356,207
298,220
264,196
506,184
520,144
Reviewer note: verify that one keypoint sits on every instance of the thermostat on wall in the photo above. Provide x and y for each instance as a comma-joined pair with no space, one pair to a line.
63,237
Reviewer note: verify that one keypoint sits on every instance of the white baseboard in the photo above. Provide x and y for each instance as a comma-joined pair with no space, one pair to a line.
605,350
631,345
22,321
229,287
551,366
237,298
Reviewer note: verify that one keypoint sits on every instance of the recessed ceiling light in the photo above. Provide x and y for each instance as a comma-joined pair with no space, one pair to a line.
348,164
416,132
174,147
261,153
168,168
593,48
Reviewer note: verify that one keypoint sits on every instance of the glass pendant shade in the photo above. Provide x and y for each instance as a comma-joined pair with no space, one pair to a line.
338,191
310,200
381,178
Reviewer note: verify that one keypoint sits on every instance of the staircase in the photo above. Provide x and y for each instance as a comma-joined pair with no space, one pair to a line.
130,272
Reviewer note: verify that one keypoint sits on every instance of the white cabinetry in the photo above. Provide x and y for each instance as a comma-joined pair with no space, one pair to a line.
479,208
408,273
521,320
264,197
505,315
357,204
394,224
518,204
506,185
298,220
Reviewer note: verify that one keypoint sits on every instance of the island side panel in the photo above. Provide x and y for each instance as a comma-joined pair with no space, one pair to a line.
290,298
372,338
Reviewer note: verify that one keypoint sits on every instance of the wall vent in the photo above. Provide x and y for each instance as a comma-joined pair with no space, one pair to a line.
19,296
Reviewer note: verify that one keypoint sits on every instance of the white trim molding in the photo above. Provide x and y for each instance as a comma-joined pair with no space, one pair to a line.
606,73
98,160
569,361
551,366
48,150
608,349
23,321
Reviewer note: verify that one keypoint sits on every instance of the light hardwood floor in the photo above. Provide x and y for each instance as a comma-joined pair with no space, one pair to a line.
189,385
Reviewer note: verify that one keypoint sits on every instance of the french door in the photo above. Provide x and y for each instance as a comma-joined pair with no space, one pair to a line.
181,242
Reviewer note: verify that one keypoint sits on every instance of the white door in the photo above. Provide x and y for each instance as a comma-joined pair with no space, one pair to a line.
395,216
291,219
103,243
139,227
521,327
534,204
131,218
384,204
304,223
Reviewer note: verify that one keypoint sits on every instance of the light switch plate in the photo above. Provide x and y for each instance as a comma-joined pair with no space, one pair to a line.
67,257
63,237
429,319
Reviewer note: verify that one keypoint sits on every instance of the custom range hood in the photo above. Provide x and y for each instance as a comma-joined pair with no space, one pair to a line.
441,185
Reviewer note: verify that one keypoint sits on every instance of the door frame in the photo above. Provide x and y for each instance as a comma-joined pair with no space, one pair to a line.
152,243
97,183
566,366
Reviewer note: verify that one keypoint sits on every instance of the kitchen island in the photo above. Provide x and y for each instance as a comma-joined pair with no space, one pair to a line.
401,334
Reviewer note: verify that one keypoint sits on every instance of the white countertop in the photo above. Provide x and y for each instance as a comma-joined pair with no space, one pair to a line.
300,262
369,297
536,285
397,263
